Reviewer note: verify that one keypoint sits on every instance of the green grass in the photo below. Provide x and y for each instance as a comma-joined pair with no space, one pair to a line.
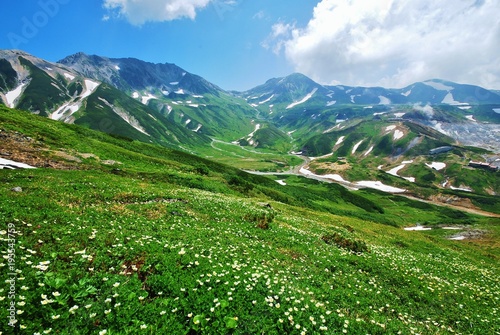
169,243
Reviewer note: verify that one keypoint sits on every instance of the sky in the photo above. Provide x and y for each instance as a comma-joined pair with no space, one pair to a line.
239,44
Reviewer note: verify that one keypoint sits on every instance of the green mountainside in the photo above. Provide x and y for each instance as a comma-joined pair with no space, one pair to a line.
110,235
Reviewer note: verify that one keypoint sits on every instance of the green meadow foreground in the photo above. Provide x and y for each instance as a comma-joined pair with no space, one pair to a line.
115,236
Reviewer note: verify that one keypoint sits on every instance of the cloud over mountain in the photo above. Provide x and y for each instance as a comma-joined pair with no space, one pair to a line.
138,12
396,42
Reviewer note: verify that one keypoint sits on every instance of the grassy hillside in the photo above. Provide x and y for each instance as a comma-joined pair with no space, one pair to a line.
132,238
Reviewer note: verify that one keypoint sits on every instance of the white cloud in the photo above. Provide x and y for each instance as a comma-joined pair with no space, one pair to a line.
281,32
260,15
138,12
396,42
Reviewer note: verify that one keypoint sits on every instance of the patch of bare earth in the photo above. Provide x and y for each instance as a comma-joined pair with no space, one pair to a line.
24,149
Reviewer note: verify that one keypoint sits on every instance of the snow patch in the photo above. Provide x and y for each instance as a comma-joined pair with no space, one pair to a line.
438,86
380,186
257,127
331,103
356,146
194,105
448,99
394,171
197,96
471,117
407,93
117,68
417,228
370,184
340,140
179,91
145,99
368,151
399,115
267,100
135,95
496,110
436,165
198,128
458,238
281,182
398,134
174,83
90,86
307,97
465,189
8,164
334,177
73,107
69,76
13,95
384,100
389,128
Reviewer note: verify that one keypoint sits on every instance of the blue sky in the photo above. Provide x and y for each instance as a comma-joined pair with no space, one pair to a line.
238,44
222,43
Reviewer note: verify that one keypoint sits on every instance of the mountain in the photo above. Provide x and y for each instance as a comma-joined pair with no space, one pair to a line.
61,93
173,108
185,98
296,89
298,105
130,74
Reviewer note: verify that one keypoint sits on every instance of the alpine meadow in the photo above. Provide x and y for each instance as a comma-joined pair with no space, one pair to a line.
137,197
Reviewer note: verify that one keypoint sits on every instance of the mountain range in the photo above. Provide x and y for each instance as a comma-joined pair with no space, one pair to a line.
165,104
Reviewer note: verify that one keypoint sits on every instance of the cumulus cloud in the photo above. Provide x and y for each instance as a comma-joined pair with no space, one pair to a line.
280,32
393,43
138,12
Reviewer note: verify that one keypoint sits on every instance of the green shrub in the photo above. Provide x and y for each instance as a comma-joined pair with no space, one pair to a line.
345,242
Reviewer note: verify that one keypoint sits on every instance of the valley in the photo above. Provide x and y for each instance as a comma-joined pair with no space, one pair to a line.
141,198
